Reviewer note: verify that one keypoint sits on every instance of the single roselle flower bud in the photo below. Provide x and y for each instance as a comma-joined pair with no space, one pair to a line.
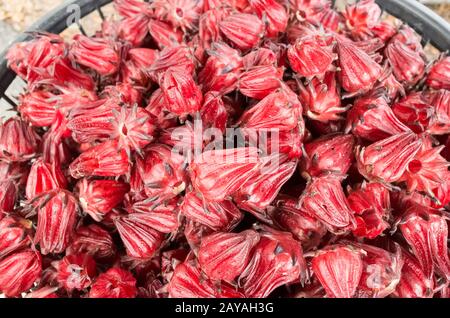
259,57
133,69
381,270
258,193
415,111
18,140
277,260
391,86
275,14
311,10
242,29
427,170
98,54
222,69
279,110
183,96
182,14
14,234
163,172
141,240
331,153
224,256
57,214
44,177
103,160
413,282
361,17
133,30
187,282
157,109
305,228
54,148
194,232
219,216
208,27
359,72
178,57
259,81
93,121
14,171
41,107
92,240
75,272
440,123
311,56
426,232
98,197
64,73
114,283
372,206
214,113
163,217
130,8
387,159
408,65
19,272
163,34
218,174
439,75
8,195
339,269
133,127
123,93
384,30
371,118
325,200
321,99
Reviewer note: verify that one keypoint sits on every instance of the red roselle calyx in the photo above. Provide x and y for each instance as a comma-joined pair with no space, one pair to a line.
99,197
19,272
332,153
359,72
57,214
304,227
25,140
15,234
98,54
277,259
243,30
8,195
106,160
75,271
321,99
408,66
223,256
259,81
311,55
325,200
339,269
44,177
387,159
438,77
372,207
371,118
114,283
426,232
222,215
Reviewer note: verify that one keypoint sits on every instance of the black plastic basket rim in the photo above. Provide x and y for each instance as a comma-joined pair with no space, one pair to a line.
433,28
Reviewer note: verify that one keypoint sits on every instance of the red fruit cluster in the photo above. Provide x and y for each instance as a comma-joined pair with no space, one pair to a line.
250,148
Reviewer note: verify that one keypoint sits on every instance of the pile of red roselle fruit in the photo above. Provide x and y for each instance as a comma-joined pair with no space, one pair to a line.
96,199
